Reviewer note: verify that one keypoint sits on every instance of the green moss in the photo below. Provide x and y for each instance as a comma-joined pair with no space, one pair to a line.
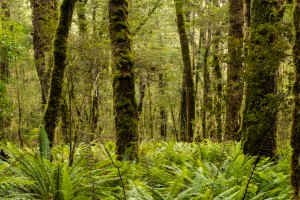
57,74
125,106
261,101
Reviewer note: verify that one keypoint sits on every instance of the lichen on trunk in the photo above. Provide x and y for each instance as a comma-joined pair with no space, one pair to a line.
125,106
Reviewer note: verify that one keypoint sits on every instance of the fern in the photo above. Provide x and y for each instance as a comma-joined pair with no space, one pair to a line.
44,144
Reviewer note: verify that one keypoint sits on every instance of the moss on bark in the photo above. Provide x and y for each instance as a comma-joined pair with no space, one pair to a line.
43,18
234,70
57,74
188,96
125,106
261,102
295,128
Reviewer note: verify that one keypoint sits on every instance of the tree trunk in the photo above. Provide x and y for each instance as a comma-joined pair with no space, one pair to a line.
234,70
188,83
247,6
205,93
82,23
43,18
218,87
261,102
4,73
163,112
57,73
125,106
295,128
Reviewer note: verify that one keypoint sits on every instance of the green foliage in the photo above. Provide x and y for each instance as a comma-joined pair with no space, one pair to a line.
45,151
166,171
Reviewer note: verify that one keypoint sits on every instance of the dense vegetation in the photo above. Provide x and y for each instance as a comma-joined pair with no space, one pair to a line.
165,171
149,99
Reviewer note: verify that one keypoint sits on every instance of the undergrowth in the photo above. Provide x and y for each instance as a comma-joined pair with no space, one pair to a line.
165,171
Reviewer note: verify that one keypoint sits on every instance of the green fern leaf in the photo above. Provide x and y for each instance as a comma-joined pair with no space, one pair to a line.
44,144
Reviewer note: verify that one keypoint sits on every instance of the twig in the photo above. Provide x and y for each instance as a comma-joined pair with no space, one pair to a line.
116,166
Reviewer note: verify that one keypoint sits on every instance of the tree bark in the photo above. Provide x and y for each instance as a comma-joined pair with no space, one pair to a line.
188,97
295,128
234,70
57,73
261,102
82,23
125,106
4,73
163,111
43,18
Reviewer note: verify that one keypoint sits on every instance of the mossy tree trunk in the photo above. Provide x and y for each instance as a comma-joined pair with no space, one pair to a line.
57,74
234,69
4,71
295,128
82,23
217,71
188,96
125,106
43,19
261,102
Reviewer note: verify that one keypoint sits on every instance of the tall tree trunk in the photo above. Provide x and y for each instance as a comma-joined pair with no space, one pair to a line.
205,93
125,106
187,75
234,70
43,19
295,128
4,72
261,102
57,73
163,111
218,87
217,71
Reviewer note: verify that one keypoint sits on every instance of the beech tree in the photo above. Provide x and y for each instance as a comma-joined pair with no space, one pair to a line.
125,106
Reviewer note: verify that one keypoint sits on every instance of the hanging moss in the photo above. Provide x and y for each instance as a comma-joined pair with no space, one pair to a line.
125,106
295,128
261,102
57,73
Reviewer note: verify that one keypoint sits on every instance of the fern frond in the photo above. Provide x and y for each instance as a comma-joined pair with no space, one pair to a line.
44,144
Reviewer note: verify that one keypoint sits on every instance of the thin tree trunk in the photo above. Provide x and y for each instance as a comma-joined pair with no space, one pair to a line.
82,23
205,93
234,70
295,128
57,73
218,87
163,111
125,106
187,75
